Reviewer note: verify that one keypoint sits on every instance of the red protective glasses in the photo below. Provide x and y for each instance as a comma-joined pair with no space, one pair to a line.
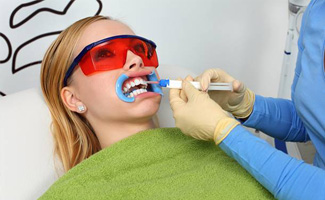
110,53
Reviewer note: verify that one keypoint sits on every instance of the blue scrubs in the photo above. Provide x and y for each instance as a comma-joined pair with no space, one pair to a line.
299,120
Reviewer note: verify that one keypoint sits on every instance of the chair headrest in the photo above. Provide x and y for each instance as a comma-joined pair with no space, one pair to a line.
26,155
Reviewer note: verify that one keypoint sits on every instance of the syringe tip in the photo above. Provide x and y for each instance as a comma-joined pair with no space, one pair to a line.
152,82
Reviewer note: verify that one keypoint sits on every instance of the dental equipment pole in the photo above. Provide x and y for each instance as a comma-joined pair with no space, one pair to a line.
296,9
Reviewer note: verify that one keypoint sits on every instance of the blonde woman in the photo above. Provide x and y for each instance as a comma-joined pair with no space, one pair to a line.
92,79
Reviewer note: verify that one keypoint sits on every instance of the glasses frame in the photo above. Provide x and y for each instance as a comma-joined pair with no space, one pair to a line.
92,45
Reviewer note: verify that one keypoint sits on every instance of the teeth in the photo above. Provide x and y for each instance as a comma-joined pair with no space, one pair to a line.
128,86
137,92
137,82
143,83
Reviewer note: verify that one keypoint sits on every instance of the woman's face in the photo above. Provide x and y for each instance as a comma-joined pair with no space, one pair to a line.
97,91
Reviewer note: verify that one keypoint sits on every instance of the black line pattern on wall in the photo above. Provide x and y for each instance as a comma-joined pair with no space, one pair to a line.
14,68
11,23
9,48
13,53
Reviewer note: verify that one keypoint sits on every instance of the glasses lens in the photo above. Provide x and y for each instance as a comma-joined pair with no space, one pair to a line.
112,55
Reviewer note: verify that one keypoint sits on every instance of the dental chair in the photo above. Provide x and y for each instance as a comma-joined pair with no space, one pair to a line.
27,166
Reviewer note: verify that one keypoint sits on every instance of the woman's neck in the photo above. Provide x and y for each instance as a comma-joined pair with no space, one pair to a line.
110,133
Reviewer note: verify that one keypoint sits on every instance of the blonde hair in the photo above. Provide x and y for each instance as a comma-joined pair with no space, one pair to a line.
74,138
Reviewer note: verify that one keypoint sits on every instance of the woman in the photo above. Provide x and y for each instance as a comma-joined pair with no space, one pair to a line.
86,100
299,120
104,130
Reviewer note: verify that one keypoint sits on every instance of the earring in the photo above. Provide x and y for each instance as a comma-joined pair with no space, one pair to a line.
81,108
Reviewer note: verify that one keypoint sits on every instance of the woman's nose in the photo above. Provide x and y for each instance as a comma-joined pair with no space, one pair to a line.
133,61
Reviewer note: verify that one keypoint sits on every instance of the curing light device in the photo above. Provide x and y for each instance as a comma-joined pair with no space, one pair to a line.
178,84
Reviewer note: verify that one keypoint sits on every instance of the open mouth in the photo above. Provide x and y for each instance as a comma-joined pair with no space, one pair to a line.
129,87
134,86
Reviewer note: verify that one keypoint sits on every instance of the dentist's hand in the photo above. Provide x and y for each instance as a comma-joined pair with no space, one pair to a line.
199,116
240,102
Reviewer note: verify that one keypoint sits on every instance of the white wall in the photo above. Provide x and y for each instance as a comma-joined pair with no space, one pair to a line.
246,38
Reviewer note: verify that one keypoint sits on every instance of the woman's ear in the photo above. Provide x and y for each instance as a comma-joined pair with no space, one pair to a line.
70,100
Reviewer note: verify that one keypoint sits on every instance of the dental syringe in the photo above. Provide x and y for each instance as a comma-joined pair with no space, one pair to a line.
178,84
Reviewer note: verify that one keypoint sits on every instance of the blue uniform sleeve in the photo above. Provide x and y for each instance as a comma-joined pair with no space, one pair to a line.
277,118
285,177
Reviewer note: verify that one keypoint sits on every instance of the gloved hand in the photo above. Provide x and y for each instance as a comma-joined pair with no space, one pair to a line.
199,116
239,102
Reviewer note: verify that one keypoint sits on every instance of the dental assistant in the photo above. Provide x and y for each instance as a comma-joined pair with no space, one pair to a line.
203,116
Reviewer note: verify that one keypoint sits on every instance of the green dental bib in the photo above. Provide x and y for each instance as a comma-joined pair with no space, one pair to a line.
158,164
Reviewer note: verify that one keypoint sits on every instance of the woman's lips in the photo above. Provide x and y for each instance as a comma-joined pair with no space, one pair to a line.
138,73
147,95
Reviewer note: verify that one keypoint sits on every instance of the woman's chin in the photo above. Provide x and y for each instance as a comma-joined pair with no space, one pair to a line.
148,101
145,106
145,110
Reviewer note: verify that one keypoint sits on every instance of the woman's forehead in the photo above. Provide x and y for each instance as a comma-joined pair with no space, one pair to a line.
99,30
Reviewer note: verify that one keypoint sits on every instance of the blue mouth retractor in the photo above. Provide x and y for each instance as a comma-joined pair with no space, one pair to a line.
119,83
155,87
118,89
